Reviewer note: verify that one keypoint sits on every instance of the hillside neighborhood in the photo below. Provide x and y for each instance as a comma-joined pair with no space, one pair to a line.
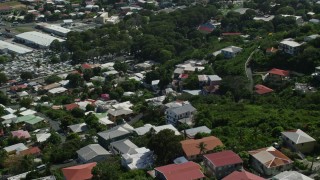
168,90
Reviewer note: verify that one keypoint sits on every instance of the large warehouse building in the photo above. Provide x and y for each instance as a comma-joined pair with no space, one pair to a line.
6,47
36,39
57,30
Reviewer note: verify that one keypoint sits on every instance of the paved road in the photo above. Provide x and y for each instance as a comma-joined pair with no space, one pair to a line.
248,70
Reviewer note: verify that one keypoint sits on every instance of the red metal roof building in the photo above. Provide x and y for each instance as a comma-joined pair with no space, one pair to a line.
222,163
242,175
80,172
31,151
189,170
261,89
70,107
86,66
279,72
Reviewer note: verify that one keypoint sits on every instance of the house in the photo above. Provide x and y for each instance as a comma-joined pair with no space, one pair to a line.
188,170
35,151
21,134
80,172
142,159
78,128
42,137
114,134
70,107
298,140
16,148
190,133
290,175
242,175
124,146
115,114
231,51
209,80
289,46
269,161
311,37
147,127
277,75
155,85
92,153
102,18
180,114
272,50
261,89
222,163
192,149
266,18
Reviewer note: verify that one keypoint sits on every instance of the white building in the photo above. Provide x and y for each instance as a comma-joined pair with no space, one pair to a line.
6,47
36,39
289,46
183,114
113,20
141,159
102,18
57,30
231,51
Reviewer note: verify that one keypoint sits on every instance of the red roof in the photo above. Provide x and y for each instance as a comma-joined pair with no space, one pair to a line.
279,72
86,66
189,170
69,107
80,172
183,76
271,50
231,34
21,134
21,86
191,146
224,158
242,175
261,89
30,151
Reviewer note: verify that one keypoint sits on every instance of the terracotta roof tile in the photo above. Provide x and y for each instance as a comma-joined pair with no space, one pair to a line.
189,170
190,147
80,172
224,158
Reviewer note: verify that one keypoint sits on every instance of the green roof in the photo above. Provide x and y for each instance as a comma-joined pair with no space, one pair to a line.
101,115
30,119
25,118
35,120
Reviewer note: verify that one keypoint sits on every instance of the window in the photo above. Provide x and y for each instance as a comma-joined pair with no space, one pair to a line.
302,144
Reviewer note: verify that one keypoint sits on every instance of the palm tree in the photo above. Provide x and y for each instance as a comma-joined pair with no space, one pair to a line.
202,147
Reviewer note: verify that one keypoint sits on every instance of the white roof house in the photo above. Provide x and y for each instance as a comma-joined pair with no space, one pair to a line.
291,175
58,30
42,137
264,18
147,127
16,147
298,136
12,48
91,151
290,43
57,90
167,126
142,159
36,38
78,128
28,112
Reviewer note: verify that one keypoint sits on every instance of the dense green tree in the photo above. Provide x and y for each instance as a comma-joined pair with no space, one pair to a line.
26,102
166,146
56,46
52,79
109,169
75,80
3,78
121,66
26,75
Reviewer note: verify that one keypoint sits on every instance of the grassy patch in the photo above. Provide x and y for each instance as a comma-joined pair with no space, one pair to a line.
13,4
23,29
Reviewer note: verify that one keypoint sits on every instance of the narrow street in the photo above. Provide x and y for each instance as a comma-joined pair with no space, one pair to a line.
248,69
